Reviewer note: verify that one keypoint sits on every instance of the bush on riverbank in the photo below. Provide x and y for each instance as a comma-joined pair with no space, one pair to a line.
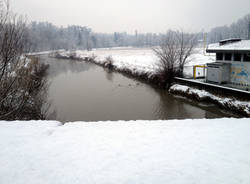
23,83
173,55
109,63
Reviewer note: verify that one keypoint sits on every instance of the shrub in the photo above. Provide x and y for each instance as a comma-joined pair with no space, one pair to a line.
23,84
109,62
173,53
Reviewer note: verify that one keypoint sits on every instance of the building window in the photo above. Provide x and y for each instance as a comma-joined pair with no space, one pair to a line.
228,56
237,57
219,56
247,57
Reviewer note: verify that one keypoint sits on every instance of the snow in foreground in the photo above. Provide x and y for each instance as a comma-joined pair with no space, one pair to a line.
160,152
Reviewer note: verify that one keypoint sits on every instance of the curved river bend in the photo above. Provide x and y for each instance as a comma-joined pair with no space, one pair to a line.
82,91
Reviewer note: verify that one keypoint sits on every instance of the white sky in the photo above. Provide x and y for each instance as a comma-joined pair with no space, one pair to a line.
130,15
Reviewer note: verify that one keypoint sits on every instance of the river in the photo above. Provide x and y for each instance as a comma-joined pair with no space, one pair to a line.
82,91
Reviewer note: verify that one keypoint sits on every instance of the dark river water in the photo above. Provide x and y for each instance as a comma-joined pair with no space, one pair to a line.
82,91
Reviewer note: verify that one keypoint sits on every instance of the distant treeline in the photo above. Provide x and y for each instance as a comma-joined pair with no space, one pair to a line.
238,29
46,36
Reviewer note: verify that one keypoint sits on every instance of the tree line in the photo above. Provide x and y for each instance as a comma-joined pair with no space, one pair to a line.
45,36
238,29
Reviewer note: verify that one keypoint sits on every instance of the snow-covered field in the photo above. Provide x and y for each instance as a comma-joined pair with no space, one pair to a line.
138,60
154,152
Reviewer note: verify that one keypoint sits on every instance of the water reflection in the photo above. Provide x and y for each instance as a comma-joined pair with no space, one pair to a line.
84,91
109,74
174,107
63,66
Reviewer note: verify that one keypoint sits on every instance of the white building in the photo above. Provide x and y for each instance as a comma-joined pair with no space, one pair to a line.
232,62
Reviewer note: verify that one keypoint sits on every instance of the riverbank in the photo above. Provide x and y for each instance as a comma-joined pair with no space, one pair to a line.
177,151
236,106
140,62
143,65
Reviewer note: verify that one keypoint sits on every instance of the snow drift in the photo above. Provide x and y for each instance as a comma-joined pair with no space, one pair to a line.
177,151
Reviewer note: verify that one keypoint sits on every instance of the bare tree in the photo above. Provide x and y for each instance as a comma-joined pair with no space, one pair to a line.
22,81
173,54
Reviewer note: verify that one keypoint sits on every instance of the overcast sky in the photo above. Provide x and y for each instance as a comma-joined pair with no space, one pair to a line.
130,15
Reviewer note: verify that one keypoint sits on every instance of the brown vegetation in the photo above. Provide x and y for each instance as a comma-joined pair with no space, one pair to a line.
173,54
23,83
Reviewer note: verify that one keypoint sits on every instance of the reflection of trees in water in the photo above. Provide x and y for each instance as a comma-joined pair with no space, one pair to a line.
109,74
170,107
209,115
58,66
166,106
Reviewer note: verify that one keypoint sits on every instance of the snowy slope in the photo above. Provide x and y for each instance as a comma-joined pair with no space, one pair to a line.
160,152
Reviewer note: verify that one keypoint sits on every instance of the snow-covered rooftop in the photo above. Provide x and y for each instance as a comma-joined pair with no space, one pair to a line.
243,45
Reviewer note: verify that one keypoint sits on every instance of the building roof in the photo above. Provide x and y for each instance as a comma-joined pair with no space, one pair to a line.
230,45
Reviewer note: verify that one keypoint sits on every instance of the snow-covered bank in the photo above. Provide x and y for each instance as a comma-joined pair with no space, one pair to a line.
137,61
177,151
45,52
241,107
